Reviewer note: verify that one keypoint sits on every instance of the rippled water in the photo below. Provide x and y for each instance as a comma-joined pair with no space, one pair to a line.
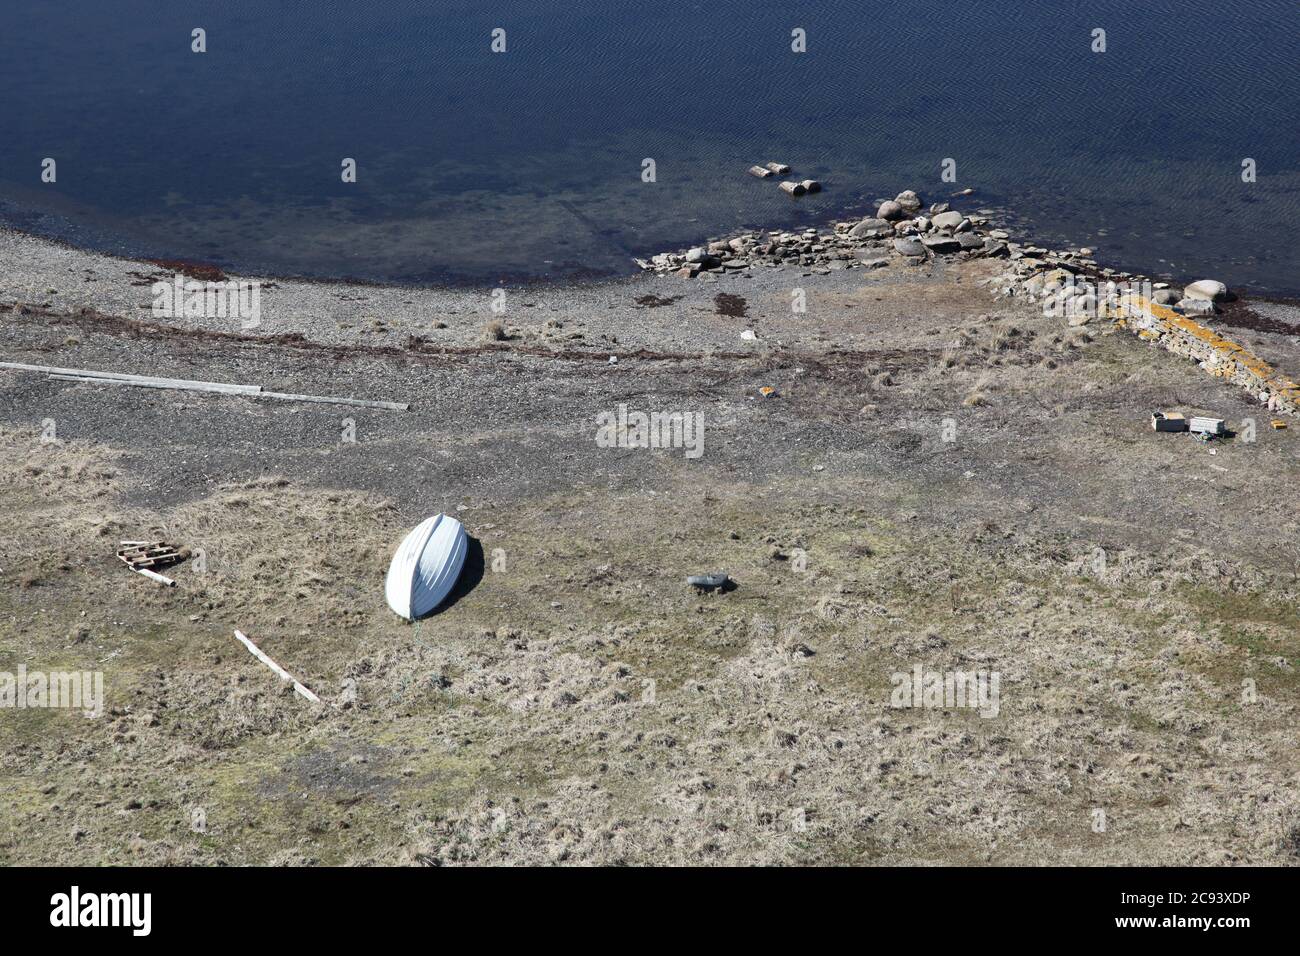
480,166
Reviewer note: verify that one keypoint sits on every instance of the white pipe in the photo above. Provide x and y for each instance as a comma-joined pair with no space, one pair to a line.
155,576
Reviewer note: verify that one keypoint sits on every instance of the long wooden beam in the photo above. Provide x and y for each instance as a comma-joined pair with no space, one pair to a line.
191,385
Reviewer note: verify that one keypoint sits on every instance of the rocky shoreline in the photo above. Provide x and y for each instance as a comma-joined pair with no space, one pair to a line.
903,229
898,228
1066,282
903,234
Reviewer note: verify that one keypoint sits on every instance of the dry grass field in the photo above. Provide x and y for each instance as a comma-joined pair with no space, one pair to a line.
940,480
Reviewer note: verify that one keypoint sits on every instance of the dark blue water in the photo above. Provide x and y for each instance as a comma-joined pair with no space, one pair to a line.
480,166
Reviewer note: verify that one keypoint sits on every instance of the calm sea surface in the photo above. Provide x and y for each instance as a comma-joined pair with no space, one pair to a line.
478,166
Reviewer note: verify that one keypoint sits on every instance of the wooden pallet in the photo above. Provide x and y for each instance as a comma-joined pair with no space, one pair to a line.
155,554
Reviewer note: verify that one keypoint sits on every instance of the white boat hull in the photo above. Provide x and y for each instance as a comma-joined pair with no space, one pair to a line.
426,567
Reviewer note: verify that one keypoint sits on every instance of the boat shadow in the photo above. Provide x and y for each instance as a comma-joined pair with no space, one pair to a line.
470,575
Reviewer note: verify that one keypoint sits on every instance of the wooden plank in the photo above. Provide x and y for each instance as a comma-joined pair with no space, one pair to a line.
280,671
159,562
153,555
125,377
236,390
180,386
329,400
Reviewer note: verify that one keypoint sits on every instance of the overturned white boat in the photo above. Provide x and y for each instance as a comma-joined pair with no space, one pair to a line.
426,567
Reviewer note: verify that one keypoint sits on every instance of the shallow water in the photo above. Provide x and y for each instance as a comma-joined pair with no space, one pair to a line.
480,167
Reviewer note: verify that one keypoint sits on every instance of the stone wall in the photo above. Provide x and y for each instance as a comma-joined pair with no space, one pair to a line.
1219,356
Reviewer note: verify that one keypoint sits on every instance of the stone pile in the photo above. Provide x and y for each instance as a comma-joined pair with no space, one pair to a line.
900,229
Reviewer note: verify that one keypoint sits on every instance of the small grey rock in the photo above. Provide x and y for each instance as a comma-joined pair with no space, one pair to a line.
941,243
1196,307
909,201
890,210
871,229
709,582
947,220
